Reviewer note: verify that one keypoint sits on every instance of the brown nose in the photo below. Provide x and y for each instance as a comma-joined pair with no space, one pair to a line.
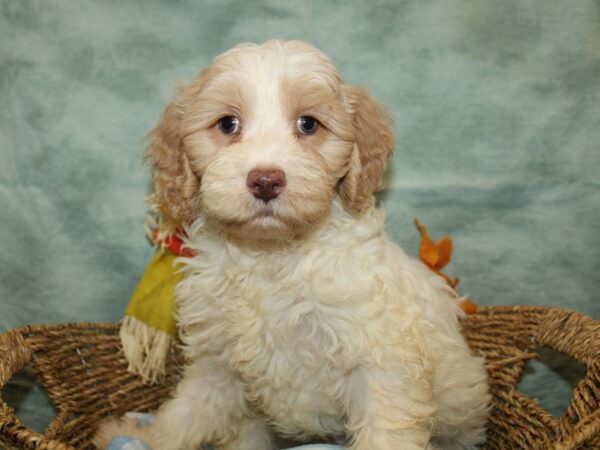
266,184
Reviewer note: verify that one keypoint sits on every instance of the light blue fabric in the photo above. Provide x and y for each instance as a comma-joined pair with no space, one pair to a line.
126,443
317,447
497,108
129,443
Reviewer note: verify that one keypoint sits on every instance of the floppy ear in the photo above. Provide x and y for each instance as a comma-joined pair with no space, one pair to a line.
373,147
175,186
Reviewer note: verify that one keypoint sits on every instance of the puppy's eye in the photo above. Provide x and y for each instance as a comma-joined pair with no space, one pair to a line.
307,124
229,124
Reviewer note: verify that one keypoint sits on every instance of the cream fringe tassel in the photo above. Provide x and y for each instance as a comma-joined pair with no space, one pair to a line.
146,349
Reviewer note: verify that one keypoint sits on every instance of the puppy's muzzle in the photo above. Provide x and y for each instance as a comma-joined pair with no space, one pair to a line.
266,184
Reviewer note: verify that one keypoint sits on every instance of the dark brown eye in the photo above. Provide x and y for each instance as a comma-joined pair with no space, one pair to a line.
307,124
229,124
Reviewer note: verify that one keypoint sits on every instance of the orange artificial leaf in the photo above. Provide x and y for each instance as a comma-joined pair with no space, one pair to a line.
436,256
468,306
445,252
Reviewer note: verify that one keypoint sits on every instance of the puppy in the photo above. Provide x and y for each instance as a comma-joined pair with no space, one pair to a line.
299,317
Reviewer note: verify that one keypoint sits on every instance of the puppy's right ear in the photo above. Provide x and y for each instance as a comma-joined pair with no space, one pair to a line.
374,144
175,186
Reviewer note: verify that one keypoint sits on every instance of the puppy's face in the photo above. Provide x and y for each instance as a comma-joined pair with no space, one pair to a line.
262,141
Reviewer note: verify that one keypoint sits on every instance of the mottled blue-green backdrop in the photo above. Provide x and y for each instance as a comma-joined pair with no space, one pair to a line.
497,109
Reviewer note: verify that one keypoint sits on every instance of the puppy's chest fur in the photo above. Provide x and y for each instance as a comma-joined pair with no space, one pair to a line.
286,323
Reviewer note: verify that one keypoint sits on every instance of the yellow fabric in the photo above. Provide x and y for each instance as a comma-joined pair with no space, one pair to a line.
153,301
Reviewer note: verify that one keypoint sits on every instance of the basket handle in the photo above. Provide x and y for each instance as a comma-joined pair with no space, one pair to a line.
577,336
572,334
14,355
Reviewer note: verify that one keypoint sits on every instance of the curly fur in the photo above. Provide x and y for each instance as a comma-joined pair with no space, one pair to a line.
299,317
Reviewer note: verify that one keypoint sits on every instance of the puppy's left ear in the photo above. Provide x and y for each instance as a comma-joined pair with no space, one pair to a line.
374,144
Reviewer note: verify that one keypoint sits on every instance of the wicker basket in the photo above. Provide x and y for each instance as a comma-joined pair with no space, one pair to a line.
85,375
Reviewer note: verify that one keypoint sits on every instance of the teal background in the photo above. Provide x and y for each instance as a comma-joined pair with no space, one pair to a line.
497,109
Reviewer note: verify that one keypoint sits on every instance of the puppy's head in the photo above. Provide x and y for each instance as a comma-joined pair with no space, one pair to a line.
262,141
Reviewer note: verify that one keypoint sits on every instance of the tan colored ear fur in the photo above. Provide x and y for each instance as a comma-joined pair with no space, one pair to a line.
176,187
373,147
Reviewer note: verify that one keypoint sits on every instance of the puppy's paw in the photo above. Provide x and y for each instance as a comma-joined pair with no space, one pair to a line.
120,427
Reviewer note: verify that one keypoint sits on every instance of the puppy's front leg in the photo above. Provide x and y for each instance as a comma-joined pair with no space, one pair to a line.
208,407
388,409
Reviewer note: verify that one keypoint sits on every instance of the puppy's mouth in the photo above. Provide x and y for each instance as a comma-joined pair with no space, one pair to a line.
261,218
266,210
266,216
273,220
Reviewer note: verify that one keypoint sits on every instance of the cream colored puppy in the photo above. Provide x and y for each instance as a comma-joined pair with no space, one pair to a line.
299,317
